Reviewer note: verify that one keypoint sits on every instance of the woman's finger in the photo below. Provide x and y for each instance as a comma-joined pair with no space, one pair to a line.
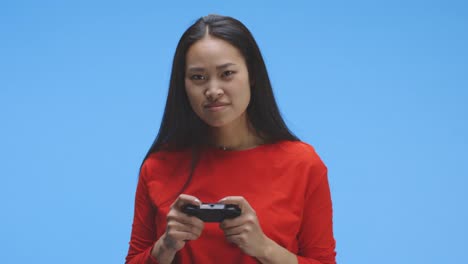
178,235
245,219
180,227
237,230
184,199
239,201
178,216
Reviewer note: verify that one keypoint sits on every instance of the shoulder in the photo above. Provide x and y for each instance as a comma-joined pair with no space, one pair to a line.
298,150
298,163
298,154
166,155
163,162
296,147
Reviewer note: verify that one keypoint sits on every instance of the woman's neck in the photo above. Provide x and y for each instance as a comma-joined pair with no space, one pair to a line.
235,137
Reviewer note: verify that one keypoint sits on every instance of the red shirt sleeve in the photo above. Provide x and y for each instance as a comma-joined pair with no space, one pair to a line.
143,234
316,241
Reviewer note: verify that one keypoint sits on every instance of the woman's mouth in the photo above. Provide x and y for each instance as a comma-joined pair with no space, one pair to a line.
215,107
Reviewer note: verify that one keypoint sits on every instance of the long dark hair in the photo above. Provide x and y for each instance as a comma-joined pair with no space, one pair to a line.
181,128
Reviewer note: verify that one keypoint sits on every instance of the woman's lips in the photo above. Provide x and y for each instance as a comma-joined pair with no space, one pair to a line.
215,107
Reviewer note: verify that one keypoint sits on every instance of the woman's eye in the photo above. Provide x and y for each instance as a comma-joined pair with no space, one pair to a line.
197,77
227,73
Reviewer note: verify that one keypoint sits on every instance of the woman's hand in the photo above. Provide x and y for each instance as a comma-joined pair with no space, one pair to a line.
245,230
180,229
180,226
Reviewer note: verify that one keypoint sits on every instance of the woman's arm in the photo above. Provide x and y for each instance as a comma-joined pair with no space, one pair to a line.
143,235
246,233
276,254
180,229
316,240
144,245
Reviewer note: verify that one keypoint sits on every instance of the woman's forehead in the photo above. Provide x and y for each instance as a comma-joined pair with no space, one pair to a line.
214,53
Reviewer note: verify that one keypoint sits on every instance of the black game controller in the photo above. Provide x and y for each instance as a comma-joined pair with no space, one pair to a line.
212,212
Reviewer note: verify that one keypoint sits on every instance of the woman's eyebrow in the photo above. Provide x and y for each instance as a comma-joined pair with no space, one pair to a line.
219,67
196,69
225,65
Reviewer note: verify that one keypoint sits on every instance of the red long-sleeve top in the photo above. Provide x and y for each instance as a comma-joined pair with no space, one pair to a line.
285,183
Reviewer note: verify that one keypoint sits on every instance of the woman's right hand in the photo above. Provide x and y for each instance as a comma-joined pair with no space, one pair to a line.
180,229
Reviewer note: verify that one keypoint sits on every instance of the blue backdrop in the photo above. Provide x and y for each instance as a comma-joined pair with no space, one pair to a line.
380,88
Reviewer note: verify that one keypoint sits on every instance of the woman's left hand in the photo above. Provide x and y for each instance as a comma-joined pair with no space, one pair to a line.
245,230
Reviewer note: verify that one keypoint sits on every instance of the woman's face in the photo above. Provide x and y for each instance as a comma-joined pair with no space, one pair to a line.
217,82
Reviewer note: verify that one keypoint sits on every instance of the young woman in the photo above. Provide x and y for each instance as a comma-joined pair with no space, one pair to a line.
222,140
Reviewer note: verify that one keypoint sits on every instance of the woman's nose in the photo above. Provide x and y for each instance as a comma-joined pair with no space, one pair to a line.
213,91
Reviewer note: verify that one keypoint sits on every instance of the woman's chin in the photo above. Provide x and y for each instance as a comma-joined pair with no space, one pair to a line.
217,125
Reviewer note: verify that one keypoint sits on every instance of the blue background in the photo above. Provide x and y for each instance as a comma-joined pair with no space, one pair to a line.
380,88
